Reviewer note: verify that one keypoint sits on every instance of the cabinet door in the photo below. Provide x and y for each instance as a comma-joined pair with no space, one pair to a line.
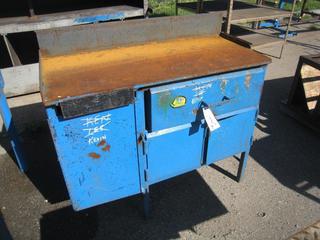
234,136
98,155
174,151
176,128
175,137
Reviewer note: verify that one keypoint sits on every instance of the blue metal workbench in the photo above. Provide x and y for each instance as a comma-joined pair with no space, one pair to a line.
125,104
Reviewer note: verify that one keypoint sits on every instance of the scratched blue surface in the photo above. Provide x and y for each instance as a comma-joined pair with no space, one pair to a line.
100,18
98,155
222,93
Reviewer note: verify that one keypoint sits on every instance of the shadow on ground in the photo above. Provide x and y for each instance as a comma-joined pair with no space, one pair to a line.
39,152
178,204
4,232
290,151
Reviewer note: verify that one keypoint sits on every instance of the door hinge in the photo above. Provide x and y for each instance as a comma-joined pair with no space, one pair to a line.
146,175
144,144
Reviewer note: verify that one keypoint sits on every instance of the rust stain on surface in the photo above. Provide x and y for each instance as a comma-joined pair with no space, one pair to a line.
139,140
248,80
106,148
101,143
94,155
124,67
164,101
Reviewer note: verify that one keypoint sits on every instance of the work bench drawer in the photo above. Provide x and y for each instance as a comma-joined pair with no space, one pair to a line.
175,104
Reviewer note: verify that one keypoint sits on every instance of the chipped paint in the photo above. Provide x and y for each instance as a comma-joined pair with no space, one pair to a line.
139,139
106,148
237,89
223,84
104,145
199,91
165,100
101,143
94,155
247,80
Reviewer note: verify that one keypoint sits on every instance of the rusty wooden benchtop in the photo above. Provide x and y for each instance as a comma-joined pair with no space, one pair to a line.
102,71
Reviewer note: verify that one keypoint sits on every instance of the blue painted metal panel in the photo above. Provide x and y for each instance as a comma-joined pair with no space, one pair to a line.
100,18
275,25
10,128
175,153
98,155
282,3
234,136
222,93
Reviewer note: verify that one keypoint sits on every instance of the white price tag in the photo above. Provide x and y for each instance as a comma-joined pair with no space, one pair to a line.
212,122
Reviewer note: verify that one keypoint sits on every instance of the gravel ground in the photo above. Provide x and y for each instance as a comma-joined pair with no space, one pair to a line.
279,195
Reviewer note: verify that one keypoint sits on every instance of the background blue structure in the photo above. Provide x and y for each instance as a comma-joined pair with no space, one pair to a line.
10,128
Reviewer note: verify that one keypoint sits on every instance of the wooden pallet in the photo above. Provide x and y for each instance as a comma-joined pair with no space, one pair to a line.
309,233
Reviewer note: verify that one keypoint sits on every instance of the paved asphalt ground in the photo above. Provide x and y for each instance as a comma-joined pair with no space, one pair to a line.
279,195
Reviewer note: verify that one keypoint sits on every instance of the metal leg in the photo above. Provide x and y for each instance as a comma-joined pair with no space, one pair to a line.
302,9
229,17
8,123
146,203
242,165
200,6
288,27
177,8
31,9
256,24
